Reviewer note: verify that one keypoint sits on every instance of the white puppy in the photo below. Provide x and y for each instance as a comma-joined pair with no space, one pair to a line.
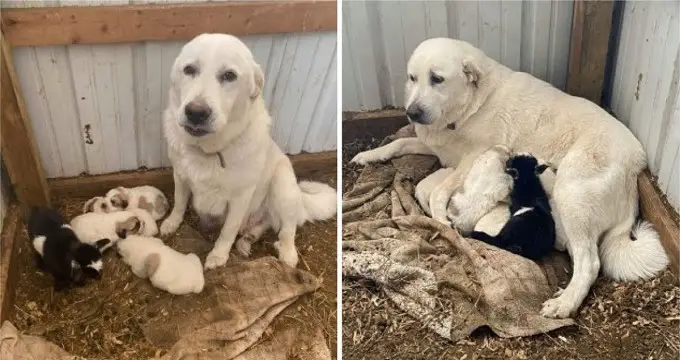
464,102
98,204
92,227
168,270
218,134
147,197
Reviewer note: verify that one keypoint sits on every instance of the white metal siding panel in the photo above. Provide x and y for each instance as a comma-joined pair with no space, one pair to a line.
379,37
97,108
645,93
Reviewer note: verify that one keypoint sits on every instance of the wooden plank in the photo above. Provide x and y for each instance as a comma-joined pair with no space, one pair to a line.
8,268
662,216
84,187
129,23
19,151
374,124
589,46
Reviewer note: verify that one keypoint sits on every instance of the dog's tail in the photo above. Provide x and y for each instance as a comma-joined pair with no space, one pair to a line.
631,253
319,200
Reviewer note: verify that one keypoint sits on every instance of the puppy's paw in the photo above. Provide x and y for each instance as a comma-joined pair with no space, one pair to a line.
170,225
366,157
215,259
243,246
560,307
287,254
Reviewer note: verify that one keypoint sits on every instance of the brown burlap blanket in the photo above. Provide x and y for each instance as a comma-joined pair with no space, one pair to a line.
451,284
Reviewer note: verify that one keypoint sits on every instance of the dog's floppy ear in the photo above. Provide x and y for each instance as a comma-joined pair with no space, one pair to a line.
257,82
541,168
89,205
471,71
100,244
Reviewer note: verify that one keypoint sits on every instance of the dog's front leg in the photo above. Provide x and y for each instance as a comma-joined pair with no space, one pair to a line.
396,148
182,193
443,192
236,213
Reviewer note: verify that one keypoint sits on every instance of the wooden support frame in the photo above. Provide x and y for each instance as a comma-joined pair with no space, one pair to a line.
19,151
590,33
129,23
8,267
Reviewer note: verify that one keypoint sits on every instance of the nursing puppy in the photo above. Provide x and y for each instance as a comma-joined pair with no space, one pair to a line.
146,197
92,226
530,231
218,134
462,102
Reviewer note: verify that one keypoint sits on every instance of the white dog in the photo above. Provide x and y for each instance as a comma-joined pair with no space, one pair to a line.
463,102
217,129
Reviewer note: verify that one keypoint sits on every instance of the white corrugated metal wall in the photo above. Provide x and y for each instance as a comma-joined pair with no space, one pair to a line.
97,108
379,36
645,93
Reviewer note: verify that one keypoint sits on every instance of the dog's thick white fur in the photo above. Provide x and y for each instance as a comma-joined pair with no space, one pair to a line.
453,84
224,156
168,269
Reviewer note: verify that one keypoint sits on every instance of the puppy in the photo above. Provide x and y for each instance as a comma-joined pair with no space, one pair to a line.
98,204
113,226
167,269
147,198
530,232
60,252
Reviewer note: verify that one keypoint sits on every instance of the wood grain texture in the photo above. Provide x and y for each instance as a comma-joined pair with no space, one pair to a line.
19,152
129,23
8,271
85,187
589,45
655,210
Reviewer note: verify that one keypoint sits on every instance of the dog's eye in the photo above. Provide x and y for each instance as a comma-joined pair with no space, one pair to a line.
412,78
190,70
436,79
228,76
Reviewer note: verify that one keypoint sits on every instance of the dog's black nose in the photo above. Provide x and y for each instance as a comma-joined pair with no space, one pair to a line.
414,113
197,113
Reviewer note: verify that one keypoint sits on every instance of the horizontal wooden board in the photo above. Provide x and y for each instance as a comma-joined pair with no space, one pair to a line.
130,23
83,187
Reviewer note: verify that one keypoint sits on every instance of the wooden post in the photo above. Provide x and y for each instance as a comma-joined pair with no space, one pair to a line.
19,151
591,27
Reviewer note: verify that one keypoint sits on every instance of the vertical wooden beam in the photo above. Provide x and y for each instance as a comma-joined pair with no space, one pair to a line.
19,151
590,33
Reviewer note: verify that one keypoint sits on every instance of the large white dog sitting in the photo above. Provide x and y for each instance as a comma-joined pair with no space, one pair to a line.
463,102
217,129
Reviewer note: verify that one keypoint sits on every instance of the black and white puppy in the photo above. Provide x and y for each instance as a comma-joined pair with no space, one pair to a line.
530,231
60,252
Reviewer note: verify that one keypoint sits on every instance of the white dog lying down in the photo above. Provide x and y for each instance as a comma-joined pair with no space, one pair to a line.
463,102
169,270
91,227
147,197
218,134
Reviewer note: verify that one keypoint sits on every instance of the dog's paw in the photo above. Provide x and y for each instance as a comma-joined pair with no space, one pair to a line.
367,157
215,260
243,246
287,254
558,308
170,225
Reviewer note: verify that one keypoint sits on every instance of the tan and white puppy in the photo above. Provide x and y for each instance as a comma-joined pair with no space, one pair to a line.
218,134
145,197
463,102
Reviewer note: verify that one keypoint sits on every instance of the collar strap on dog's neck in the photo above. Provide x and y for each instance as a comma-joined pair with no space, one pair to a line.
218,153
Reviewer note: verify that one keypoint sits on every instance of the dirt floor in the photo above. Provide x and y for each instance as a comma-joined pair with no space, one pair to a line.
636,320
104,319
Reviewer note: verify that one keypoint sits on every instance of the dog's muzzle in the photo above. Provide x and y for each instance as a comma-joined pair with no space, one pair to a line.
198,116
416,114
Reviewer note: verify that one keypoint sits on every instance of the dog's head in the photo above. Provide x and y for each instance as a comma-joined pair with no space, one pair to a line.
98,204
118,198
443,78
213,81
